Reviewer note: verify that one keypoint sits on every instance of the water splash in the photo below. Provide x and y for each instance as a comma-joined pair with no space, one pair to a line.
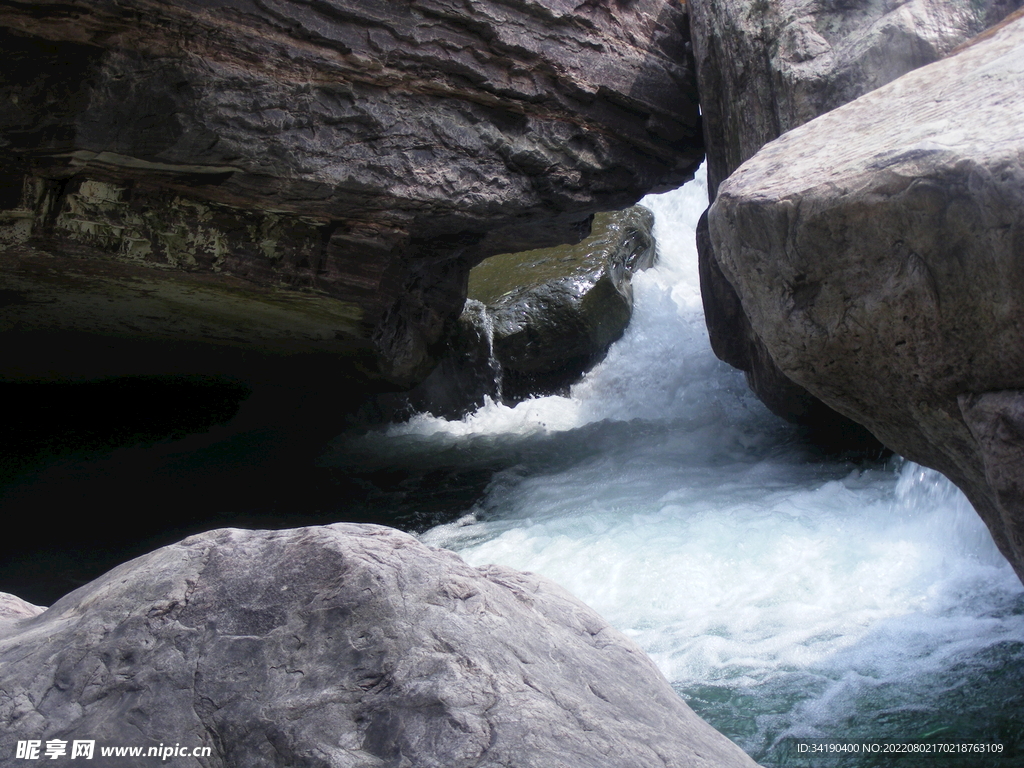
487,326
783,595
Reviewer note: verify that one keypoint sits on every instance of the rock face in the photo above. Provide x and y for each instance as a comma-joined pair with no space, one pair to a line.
883,272
767,67
345,645
362,152
538,320
14,609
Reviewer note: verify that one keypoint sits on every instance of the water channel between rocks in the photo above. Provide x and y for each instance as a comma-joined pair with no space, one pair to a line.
782,593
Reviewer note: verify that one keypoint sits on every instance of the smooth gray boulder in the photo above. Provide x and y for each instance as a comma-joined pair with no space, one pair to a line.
345,646
883,272
765,67
13,608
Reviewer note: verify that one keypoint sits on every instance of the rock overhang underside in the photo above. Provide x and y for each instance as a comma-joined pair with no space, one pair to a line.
364,152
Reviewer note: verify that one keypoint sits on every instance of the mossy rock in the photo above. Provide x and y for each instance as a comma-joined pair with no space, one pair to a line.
536,321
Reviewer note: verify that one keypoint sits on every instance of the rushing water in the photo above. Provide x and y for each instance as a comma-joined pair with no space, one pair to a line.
782,594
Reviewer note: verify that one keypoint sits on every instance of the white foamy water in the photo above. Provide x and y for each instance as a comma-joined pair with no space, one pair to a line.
782,594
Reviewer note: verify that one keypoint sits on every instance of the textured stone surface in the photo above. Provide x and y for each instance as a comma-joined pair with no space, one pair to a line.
766,67
883,272
364,151
538,320
344,645
13,608
735,341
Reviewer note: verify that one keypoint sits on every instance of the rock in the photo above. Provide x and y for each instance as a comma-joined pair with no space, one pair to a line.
767,67
331,170
883,273
538,320
13,608
342,645
734,341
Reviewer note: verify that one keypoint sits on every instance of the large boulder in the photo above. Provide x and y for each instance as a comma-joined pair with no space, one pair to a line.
296,178
348,646
883,272
766,67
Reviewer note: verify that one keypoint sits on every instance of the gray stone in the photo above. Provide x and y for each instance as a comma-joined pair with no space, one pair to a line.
734,341
360,151
767,67
883,272
13,608
342,645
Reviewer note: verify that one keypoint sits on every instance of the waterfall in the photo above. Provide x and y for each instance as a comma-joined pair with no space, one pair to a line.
493,363
784,594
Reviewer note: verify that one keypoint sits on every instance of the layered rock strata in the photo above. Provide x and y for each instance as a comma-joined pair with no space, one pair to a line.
767,67
883,271
359,154
348,646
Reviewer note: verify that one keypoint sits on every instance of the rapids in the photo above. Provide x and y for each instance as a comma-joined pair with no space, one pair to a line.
784,594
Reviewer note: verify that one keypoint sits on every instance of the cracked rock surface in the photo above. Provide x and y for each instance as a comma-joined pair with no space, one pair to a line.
884,273
767,67
343,645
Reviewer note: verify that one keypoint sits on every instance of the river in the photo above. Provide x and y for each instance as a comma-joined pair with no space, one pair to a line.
784,593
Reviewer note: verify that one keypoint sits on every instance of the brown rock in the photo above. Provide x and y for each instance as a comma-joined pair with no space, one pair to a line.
359,151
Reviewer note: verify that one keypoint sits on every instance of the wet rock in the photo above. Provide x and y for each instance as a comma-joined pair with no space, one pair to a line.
883,273
538,320
342,645
767,67
347,152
